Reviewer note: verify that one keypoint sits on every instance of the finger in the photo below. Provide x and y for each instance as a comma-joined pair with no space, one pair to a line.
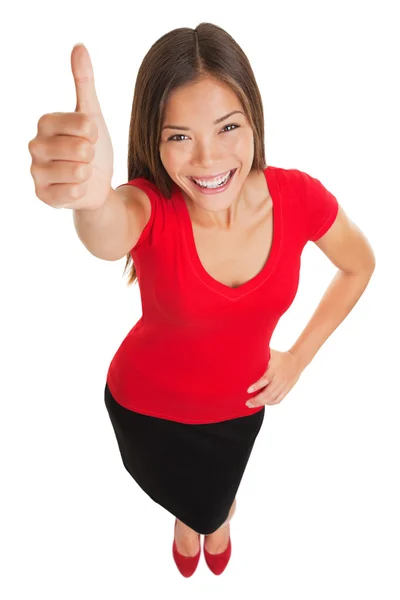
273,394
266,397
265,380
278,399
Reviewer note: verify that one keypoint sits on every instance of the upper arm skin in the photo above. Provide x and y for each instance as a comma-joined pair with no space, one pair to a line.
138,209
346,246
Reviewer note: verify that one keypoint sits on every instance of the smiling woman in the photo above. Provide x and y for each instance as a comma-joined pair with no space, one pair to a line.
218,263
196,150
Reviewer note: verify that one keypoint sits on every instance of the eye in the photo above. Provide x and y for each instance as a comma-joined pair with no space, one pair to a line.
171,139
231,125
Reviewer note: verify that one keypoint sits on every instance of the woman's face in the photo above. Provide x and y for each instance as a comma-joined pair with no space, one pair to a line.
196,146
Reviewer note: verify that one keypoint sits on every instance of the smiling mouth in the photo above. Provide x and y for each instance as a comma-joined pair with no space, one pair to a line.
227,176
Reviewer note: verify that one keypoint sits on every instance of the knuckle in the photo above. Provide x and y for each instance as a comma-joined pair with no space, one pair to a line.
35,148
32,147
43,121
37,175
42,192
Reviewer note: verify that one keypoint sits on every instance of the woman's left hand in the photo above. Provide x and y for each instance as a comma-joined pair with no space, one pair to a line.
283,372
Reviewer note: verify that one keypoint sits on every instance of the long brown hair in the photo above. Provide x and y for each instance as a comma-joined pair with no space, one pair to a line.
179,57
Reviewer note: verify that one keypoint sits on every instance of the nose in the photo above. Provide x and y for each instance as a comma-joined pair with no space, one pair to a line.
205,155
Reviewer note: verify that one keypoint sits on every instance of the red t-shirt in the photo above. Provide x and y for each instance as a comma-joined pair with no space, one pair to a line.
199,343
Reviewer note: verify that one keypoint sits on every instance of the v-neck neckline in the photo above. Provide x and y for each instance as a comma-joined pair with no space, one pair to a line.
268,267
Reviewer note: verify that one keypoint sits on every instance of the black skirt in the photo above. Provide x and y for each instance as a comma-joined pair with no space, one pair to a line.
192,470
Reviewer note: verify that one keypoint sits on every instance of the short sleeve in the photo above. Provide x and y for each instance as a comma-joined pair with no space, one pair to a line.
321,207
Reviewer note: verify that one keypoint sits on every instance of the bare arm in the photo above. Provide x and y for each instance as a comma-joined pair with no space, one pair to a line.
349,250
111,231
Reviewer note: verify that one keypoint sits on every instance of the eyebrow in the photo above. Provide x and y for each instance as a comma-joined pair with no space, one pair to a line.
215,122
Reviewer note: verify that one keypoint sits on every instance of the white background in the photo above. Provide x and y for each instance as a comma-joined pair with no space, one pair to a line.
317,511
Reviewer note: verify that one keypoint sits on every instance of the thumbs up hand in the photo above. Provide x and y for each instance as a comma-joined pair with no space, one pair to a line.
72,153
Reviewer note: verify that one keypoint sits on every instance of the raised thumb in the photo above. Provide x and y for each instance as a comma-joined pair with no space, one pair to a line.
82,70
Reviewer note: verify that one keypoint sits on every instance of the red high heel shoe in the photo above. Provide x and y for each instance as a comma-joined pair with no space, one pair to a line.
217,562
186,564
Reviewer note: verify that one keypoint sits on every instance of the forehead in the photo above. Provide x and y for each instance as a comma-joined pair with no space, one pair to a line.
205,97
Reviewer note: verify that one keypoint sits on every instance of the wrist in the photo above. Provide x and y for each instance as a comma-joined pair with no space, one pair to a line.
301,359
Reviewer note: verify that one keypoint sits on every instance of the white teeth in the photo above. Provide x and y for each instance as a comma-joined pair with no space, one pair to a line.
214,183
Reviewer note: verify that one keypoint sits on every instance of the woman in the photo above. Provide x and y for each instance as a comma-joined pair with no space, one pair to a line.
215,237
218,264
